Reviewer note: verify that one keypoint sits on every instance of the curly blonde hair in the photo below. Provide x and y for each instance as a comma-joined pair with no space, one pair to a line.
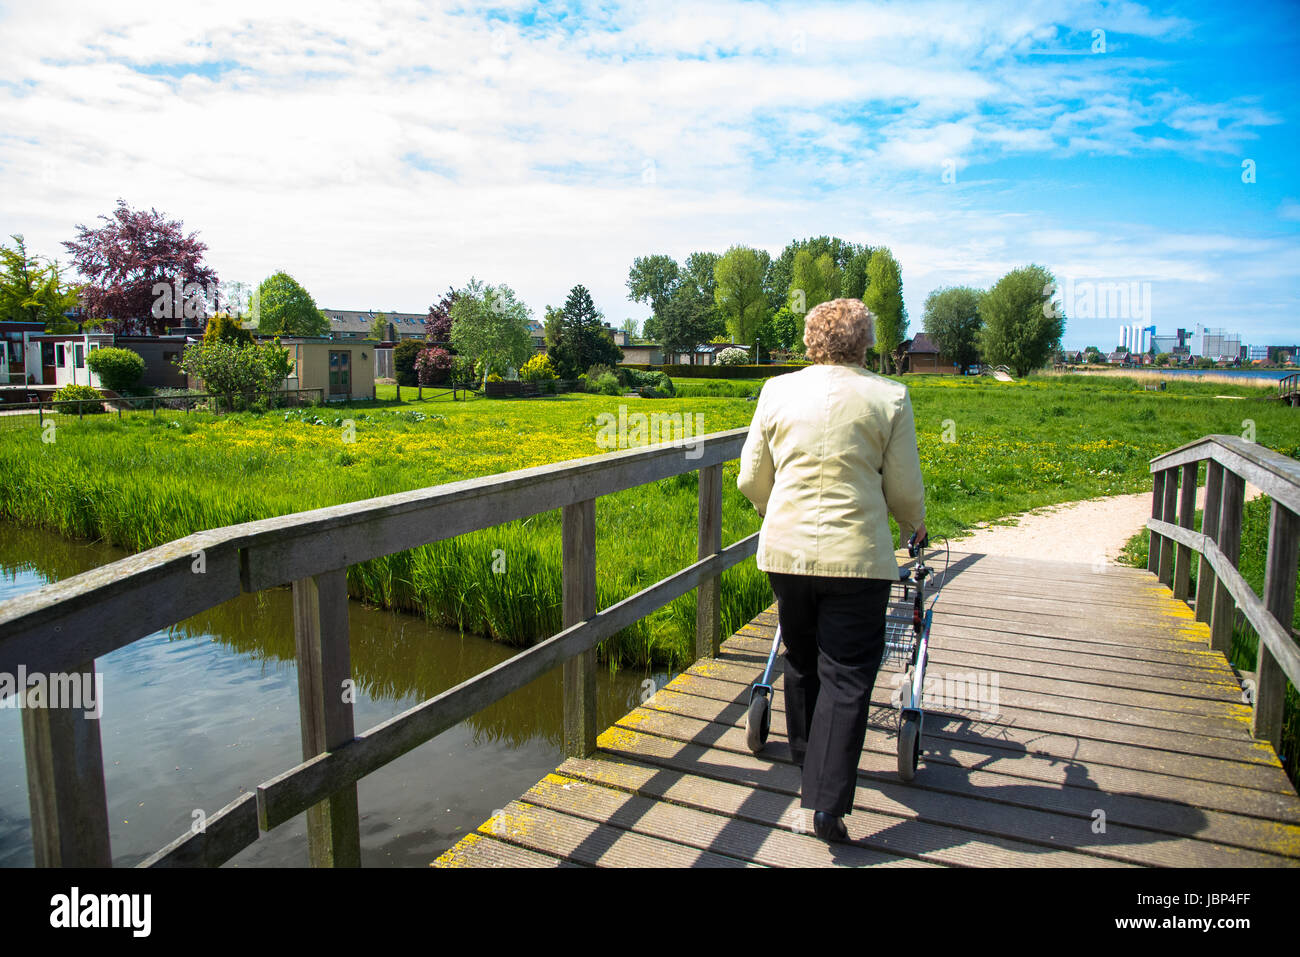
839,331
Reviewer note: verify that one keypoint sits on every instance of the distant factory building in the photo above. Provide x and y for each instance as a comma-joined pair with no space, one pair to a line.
1136,338
1216,343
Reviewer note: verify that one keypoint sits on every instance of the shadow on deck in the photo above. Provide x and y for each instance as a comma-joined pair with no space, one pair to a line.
1077,719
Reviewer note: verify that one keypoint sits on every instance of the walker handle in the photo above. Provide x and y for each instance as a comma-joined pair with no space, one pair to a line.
914,547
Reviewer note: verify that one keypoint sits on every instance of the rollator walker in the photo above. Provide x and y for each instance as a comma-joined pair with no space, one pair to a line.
907,638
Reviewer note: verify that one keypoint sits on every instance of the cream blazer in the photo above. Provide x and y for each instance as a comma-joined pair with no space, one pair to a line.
830,453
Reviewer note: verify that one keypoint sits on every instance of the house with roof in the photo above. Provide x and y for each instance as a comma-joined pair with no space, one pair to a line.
642,353
705,354
354,324
60,358
922,354
537,332
341,369
18,361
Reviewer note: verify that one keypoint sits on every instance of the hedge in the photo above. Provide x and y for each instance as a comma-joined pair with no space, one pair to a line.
118,369
716,371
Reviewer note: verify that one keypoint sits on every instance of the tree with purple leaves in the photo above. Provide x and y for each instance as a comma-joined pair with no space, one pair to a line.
437,325
128,260
433,366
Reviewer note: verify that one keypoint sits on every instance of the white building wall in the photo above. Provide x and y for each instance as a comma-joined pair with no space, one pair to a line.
67,373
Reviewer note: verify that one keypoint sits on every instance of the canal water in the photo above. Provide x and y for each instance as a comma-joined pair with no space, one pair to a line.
198,714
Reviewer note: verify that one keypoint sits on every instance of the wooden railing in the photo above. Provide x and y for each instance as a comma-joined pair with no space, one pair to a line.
61,628
1288,387
1220,589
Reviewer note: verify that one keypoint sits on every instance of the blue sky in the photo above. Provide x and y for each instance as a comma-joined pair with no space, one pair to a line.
381,159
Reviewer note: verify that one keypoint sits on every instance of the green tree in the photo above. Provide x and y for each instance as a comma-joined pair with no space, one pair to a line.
379,327
884,297
690,318
551,325
740,294
583,340
699,269
812,282
1022,325
31,289
787,328
842,252
226,328
700,275
283,307
490,324
631,327
404,358
652,280
229,367
952,320
854,282
278,363
118,369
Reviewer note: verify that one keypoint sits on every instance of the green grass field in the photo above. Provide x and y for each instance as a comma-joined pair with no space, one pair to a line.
988,449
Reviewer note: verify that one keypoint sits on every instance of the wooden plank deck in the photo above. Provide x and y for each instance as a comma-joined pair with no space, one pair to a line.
1116,738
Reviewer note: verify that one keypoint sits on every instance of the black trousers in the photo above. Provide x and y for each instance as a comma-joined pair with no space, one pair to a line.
834,633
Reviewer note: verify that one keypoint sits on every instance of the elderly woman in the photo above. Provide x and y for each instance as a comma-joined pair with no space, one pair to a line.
830,453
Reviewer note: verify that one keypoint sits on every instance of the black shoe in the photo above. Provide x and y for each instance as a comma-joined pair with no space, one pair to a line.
828,827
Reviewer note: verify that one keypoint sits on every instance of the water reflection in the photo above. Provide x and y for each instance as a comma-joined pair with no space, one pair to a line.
199,713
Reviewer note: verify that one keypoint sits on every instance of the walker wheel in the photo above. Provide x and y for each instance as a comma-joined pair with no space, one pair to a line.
758,720
909,746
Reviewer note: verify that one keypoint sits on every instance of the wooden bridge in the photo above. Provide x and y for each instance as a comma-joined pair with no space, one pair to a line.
1288,389
1080,721
1087,716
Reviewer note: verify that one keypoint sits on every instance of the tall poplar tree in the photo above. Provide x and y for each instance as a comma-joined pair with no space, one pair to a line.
740,292
884,297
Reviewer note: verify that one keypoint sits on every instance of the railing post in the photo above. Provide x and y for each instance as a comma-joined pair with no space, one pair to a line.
1205,580
1186,519
1279,599
320,625
1157,507
65,779
578,546
708,597
1221,617
1166,572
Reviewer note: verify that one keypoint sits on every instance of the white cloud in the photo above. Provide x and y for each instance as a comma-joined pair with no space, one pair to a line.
380,158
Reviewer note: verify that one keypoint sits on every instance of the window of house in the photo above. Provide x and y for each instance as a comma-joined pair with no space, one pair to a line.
79,356
59,357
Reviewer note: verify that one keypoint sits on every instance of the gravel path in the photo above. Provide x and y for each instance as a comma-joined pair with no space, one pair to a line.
1093,531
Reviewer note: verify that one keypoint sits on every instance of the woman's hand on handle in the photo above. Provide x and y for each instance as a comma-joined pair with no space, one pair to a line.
917,541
